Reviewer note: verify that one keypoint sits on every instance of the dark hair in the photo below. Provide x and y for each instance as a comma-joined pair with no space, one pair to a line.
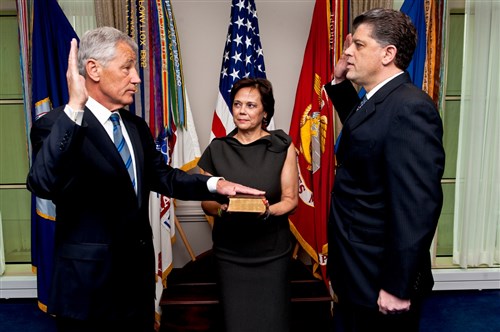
391,27
266,94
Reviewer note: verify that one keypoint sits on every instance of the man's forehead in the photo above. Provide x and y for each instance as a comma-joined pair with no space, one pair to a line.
363,28
126,51
363,32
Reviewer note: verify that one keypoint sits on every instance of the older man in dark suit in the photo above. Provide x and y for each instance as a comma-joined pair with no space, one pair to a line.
387,195
98,163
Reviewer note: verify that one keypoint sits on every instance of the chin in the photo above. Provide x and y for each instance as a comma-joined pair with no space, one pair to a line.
126,102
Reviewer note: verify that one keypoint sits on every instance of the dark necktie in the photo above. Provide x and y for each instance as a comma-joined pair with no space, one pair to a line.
122,146
363,101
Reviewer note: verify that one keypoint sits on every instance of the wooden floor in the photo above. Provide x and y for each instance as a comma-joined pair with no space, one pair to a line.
190,302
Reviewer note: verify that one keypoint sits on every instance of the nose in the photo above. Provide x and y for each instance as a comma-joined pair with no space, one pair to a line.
348,51
238,108
135,79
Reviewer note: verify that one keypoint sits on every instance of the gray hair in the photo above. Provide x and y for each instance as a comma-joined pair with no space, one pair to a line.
100,44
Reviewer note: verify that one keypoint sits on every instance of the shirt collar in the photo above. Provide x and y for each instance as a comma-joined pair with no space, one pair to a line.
100,112
380,85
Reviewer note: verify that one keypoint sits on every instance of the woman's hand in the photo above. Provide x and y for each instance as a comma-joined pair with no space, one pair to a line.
221,210
265,215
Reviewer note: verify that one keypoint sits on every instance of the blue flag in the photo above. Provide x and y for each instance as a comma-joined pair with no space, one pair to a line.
51,37
242,57
416,11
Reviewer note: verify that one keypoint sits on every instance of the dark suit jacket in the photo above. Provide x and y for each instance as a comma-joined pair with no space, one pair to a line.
104,257
387,195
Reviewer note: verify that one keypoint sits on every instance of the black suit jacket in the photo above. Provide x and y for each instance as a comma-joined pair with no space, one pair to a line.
104,256
387,194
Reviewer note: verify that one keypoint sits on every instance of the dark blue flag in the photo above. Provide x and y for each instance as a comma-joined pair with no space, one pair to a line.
51,38
416,11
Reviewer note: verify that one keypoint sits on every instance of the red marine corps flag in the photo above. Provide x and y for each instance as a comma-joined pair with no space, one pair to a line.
312,132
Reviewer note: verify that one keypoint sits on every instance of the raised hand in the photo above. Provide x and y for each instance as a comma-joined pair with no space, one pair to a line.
340,69
78,94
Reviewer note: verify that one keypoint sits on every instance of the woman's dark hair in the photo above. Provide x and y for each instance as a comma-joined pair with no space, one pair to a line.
266,94
391,27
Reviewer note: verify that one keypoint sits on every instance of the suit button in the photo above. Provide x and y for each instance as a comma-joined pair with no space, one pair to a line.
142,242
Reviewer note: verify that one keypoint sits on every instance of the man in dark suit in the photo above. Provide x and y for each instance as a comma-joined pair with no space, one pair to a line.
387,195
104,275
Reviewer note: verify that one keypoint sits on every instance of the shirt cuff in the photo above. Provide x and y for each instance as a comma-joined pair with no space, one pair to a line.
75,116
212,183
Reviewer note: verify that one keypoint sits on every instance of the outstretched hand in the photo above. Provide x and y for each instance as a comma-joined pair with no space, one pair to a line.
76,83
340,70
228,188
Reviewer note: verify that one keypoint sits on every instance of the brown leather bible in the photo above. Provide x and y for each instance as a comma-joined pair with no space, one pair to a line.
246,203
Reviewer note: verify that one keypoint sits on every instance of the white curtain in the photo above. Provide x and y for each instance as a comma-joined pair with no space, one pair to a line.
80,13
477,196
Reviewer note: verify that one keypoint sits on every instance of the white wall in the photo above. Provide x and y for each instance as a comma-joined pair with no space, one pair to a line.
202,27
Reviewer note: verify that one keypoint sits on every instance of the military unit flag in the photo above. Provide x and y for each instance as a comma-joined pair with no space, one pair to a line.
163,102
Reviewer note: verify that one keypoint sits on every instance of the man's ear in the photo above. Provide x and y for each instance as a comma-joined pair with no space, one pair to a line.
93,70
390,54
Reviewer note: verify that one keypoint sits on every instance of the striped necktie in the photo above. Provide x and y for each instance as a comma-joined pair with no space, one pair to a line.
122,146
363,101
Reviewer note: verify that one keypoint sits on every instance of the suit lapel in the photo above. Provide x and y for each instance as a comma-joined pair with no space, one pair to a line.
100,139
135,138
353,120
98,136
357,118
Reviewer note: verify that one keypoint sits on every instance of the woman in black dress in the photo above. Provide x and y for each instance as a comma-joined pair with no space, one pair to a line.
253,252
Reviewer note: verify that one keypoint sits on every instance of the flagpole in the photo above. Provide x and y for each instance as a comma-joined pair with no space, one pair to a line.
179,228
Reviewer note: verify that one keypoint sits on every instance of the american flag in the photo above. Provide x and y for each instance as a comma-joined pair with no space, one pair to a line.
243,57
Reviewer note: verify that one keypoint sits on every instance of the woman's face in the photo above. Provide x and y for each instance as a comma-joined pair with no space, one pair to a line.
248,110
